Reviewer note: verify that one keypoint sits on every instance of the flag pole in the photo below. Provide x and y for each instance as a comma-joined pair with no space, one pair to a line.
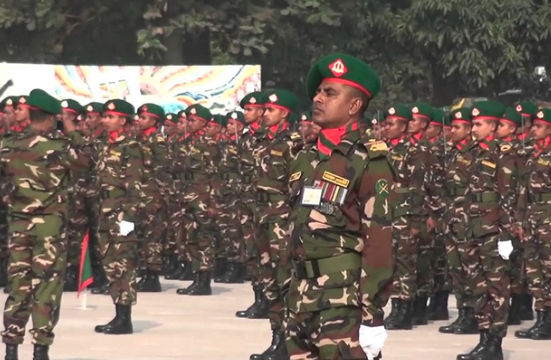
84,300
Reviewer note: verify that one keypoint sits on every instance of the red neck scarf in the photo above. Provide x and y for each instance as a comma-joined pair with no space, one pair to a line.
20,127
485,144
148,132
416,137
394,142
254,127
541,145
113,136
328,139
276,129
522,136
460,145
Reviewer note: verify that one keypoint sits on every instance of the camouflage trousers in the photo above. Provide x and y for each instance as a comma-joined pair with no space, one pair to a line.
37,264
150,232
460,284
487,274
119,259
425,275
537,257
331,334
516,271
4,232
271,244
174,225
246,210
77,226
406,248
230,231
200,240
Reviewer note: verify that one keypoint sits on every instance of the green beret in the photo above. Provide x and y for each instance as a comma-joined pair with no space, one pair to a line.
423,109
181,113
344,69
23,100
282,99
42,101
72,106
218,119
306,116
487,110
399,111
438,117
199,111
511,115
544,115
9,101
173,118
255,98
236,116
526,108
119,107
94,108
152,110
462,115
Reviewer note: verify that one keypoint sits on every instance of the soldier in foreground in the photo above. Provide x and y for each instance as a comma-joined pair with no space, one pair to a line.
340,222
37,166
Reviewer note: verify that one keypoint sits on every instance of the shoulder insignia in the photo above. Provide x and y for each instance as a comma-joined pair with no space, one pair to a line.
382,187
295,176
160,138
335,179
489,164
132,142
505,147
412,150
276,153
543,162
295,136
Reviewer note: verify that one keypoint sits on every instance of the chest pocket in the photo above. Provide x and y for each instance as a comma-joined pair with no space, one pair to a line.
275,164
195,158
542,170
488,170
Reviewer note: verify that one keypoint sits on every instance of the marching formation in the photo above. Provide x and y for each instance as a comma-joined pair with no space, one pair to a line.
327,214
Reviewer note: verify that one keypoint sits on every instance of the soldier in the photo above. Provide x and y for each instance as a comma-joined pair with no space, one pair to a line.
340,222
200,187
532,225
120,167
154,184
230,224
21,115
38,243
456,179
276,149
253,105
92,119
485,250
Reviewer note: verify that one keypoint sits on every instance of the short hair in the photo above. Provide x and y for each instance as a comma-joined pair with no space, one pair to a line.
355,92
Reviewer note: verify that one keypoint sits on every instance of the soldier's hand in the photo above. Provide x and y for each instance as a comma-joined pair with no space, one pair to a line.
431,224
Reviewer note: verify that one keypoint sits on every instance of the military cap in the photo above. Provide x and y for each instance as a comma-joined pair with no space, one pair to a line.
9,101
487,110
181,113
237,116
255,98
22,100
423,109
526,108
119,107
217,119
133,118
306,116
42,101
513,116
72,106
461,115
94,108
544,115
173,118
344,69
152,110
282,99
438,117
199,111
399,112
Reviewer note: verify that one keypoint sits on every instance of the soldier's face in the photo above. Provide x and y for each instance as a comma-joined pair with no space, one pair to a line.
505,129
334,105
9,115
417,124
195,123
459,131
113,122
482,129
170,128
183,125
92,120
305,127
393,128
253,113
21,113
540,130
433,131
212,129
274,116
145,122
68,115
527,125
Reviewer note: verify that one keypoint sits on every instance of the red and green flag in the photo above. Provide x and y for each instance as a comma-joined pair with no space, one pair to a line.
85,276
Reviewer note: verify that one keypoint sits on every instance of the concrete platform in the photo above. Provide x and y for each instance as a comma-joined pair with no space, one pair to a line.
170,326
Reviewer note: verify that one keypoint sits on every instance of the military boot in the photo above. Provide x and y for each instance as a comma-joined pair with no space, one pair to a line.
121,324
527,310
403,319
203,287
514,310
467,324
220,269
234,275
489,348
41,352
544,331
278,341
169,263
185,291
260,311
71,280
450,329
257,291
483,340
151,283
176,272
395,309
188,273
11,352
420,311
7,289
527,333
102,289
439,307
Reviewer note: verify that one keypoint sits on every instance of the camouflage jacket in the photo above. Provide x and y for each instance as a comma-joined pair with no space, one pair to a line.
508,166
36,167
155,177
341,228
120,170
173,146
229,167
247,161
435,177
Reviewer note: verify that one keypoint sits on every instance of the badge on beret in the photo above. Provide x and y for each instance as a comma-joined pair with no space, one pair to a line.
519,108
540,115
303,118
252,100
111,106
337,68
382,187
273,98
144,108
476,112
374,121
169,117
233,115
392,111
9,102
415,109
22,100
90,108
193,111
458,115
64,104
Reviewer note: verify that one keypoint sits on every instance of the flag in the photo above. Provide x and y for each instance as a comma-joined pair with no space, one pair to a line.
85,277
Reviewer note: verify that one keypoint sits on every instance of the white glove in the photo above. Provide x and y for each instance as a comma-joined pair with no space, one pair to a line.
372,340
505,248
125,227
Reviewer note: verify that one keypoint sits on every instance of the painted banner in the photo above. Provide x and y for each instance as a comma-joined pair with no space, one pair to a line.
174,87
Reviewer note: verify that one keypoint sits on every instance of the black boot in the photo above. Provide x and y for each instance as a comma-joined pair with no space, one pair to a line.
176,272
7,289
394,310
203,287
278,340
170,263
468,324
260,311
234,275
420,311
151,283
185,291
71,280
484,338
143,275
527,333
188,273
439,307
103,289
515,309
403,319
41,352
11,352
450,329
527,311
220,269
257,291
544,331
121,324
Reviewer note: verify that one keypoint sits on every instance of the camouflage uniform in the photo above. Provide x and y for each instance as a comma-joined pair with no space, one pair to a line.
173,203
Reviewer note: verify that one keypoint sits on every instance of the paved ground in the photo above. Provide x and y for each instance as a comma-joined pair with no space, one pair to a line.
169,326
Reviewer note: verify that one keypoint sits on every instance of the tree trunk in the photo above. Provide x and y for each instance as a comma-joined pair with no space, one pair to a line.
174,54
196,48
